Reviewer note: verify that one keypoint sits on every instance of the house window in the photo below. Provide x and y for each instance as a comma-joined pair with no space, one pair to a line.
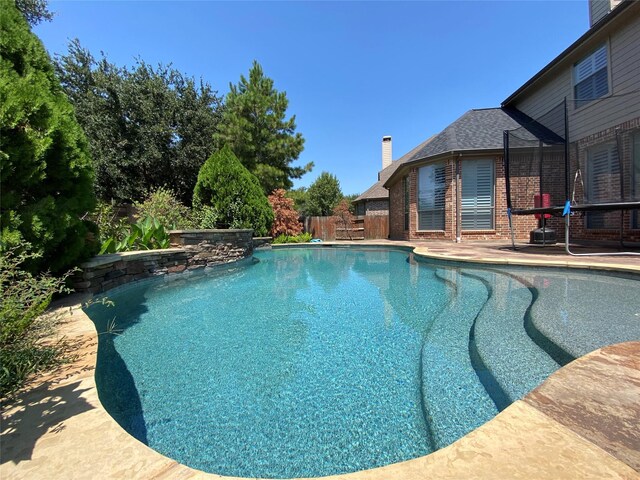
477,194
635,222
431,190
360,208
591,77
603,183
405,186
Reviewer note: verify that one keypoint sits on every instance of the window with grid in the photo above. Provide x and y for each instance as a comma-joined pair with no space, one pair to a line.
603,184
431,193
591,77
405,185
477,197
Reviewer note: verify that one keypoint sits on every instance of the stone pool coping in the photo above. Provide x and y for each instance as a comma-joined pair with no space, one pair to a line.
580,423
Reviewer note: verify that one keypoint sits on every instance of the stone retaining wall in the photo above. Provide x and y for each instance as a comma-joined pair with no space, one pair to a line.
191,250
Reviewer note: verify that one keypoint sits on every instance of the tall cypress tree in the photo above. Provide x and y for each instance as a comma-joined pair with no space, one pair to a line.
255,128
45,168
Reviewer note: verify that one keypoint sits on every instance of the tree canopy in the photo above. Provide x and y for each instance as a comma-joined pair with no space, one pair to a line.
34,11
233,192
45,167
255,127
148,127
323,195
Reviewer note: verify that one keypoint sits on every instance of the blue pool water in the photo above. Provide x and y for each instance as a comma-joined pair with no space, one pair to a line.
318,361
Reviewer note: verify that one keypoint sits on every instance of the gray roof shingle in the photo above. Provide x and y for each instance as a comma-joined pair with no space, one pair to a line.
475,130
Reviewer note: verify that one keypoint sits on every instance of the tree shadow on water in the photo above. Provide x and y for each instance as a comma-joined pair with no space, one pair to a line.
116,386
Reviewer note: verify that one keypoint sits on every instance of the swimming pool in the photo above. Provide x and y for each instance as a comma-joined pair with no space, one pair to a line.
318,361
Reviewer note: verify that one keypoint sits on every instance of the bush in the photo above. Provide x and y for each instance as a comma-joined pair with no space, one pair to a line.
22,327
205,217
109,224
234,193
286,219
301,238
45,169
163,206
146,234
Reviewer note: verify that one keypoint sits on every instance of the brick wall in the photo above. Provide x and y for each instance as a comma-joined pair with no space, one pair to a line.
579,151
377,207
191,250
522,224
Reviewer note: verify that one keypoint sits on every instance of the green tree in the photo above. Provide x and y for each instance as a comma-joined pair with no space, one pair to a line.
45,167
299,197
34,11
148,127
225,185
255,128
323,195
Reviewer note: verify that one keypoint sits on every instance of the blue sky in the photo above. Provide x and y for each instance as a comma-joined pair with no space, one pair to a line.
353,71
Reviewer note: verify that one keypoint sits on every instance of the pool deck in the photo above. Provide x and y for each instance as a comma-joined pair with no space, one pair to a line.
583,422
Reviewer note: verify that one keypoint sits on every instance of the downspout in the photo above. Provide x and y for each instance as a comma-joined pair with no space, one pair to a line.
458,201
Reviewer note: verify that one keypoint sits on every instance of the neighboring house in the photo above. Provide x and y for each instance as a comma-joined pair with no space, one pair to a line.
453,187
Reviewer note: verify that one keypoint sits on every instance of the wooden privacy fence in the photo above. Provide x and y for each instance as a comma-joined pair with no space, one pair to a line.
364,227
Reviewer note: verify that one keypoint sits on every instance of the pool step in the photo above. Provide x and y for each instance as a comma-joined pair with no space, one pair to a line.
452,392
512,358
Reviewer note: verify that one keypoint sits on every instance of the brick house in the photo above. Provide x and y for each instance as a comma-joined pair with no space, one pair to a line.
453,186
375,200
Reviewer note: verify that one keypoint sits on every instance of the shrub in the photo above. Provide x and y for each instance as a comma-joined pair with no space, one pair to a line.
163,206
234,193
205,217
45,170
109,224
146,234
286,219
301,238
22,327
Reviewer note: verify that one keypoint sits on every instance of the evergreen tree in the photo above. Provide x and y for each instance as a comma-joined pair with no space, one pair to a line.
34,11
45,167
255,128
235,195
323,195
148,127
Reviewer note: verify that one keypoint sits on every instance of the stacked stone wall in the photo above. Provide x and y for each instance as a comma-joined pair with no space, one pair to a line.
191,250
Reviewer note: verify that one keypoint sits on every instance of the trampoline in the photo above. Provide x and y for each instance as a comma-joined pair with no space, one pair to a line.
555,177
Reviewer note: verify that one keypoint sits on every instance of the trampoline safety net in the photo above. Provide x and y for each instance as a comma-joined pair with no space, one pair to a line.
552,162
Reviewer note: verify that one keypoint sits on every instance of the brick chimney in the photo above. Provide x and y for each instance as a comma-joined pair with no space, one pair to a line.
386,152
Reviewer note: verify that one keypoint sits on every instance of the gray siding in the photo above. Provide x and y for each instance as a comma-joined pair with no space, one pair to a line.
598,9
624,74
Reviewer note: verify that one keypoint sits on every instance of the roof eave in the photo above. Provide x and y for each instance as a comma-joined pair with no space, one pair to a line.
606,20
439,156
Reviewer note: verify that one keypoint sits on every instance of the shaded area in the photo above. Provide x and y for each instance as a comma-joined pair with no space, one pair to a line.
36,412
116,386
